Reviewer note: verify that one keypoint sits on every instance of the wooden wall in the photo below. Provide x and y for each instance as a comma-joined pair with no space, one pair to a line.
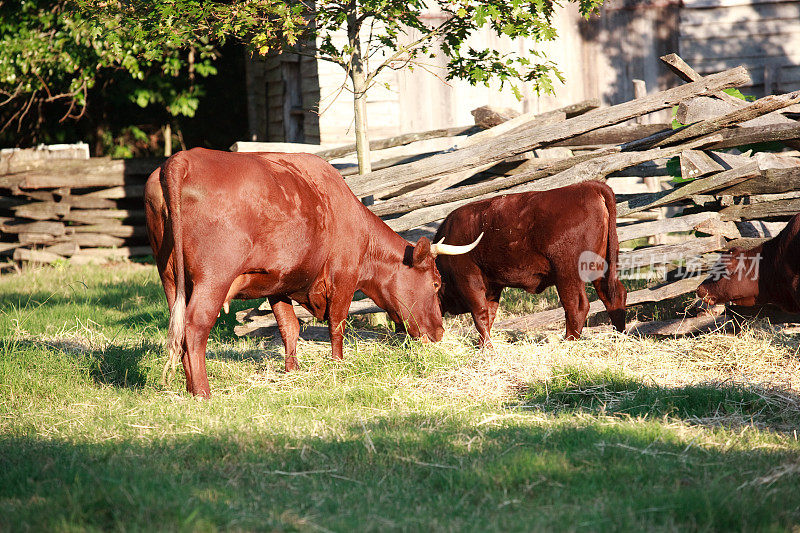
762,35
599,58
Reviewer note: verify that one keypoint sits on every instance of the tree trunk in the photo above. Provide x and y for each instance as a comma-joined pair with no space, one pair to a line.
359,94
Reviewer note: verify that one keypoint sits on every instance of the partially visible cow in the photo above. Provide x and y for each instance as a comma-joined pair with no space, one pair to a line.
286,226
562,237
766,274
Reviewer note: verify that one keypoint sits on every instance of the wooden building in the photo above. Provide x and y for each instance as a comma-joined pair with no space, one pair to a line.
298,99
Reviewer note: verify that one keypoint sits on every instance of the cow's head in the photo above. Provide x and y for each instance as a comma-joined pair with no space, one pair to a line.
734,278
411,295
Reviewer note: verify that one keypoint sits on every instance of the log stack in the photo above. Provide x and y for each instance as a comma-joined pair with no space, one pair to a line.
81,209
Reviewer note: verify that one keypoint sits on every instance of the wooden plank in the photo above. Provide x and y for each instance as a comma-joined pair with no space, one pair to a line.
42,211
682,326
384,182
35,256
98,216
618,134
696,164
758,108
262,317
118,192
682,69
18,226
772,180
666,225
668,253
653,294
699,186
113,229
592,168
778,208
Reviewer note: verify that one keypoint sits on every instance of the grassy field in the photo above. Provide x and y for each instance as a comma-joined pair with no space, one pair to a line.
606,433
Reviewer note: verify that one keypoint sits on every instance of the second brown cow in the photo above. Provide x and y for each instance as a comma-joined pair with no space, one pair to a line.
563,237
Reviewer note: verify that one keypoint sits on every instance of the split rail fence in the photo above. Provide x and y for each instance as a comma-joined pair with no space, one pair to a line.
737,160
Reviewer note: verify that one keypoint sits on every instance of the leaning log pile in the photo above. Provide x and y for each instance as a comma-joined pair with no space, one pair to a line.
80,209
728,193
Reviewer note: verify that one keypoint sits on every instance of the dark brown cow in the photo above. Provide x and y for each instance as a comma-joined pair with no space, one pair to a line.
534,240
286,226
766,274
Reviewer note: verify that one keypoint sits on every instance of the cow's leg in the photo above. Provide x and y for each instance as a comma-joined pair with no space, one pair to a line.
481,309
289,327
201,315
572,292
492,303
614,300
338,307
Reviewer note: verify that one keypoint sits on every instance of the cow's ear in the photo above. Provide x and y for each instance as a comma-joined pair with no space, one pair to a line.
421,250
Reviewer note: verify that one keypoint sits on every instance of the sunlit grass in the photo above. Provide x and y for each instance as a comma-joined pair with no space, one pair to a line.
606,433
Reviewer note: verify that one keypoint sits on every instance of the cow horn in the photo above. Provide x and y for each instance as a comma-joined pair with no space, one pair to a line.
451,249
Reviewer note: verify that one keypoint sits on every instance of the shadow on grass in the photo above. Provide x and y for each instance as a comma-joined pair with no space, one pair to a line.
115,365
573,390
400,473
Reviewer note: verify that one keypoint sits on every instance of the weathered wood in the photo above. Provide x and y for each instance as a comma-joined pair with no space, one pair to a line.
119,192
695,164
488,116
745,242
760,229
772,180
27,239
63,248
42,210
777,208
667,253
409,203
666,225
114,229
383,182
18,226
762,134
715,226
594,167
653,294
710,183
82,201
96,240
7,248
682,69
601,167
400,140
522,122
758,108
98,216
704,108
35,256
690,325
618,134
262,317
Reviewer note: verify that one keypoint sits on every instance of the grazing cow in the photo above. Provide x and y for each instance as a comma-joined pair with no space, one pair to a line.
534,240
766,274
286,226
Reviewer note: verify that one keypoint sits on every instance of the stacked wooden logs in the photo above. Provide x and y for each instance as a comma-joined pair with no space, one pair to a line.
80,209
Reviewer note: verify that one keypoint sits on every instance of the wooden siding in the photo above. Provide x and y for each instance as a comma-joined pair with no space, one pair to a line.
762,35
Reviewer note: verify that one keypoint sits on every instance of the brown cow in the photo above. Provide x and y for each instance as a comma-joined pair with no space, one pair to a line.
534,240
286,226
766,274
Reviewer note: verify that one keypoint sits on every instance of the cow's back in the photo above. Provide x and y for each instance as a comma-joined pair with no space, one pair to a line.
527,234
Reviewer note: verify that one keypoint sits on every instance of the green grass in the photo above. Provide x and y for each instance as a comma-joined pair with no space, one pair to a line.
90,441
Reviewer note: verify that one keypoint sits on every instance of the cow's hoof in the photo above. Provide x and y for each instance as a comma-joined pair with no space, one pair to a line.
292,364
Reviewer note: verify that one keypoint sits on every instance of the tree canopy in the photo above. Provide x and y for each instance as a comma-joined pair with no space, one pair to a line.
54,51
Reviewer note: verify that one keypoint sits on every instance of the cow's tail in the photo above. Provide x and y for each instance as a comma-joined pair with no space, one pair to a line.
612,244
172,176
